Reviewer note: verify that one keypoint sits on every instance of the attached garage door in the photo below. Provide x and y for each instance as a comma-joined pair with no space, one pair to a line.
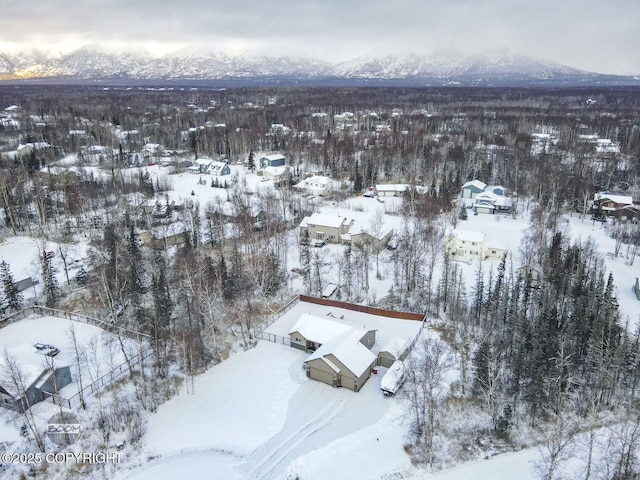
347,382
321,376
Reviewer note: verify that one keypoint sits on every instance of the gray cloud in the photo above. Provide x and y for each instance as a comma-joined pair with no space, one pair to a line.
588,34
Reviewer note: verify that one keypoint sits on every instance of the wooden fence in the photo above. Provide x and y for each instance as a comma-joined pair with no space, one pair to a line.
46,311
363,309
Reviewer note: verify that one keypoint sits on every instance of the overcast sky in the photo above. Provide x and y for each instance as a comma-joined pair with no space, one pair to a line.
596,35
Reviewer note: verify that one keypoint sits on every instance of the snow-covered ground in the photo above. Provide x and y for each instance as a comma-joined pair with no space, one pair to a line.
23,256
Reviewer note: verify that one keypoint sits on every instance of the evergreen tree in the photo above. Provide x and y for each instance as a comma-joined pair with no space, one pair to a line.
12,298
358,182
251,162
51,289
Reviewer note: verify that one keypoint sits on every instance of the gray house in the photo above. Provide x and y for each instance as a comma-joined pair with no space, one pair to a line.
341,354
344,361
46,384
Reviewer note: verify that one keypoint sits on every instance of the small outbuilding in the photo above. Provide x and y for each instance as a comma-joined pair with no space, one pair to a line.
395,349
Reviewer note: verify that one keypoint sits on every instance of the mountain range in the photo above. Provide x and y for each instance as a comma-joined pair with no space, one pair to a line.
95,64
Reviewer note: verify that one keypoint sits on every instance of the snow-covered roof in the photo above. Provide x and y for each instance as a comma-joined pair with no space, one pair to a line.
400,187
274,156
467,236
318,329
323,220
347,348
329,289
623,199
217,165
396,346
475,183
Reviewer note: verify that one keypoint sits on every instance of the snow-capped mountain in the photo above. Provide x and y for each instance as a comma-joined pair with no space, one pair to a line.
93,63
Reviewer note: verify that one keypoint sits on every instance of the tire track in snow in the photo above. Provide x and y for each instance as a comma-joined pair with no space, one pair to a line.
302,424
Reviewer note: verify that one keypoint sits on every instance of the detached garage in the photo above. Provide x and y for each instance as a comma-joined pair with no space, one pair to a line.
395,349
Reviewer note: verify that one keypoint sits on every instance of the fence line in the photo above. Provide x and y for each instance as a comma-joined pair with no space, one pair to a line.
258,332
362,308
105,380
43,311
272,337
417,336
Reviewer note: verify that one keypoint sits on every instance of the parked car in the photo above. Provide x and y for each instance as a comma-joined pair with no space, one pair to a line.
314,242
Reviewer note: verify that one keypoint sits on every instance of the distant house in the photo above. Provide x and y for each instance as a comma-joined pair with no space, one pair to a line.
395,349
276,174
463,245
358,238
494,249
164,236
24,150
490,202
627,212
529,271
152,150
321,226
473,188
341,354
317,185
608,203
275,160
391,190
219,168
